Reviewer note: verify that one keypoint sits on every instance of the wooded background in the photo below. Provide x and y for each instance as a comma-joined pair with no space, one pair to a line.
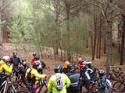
70,27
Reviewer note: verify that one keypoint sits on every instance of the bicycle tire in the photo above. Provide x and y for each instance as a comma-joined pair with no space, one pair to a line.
11,89
41,88
119,87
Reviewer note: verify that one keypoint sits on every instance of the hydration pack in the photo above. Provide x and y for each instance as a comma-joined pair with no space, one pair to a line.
59,83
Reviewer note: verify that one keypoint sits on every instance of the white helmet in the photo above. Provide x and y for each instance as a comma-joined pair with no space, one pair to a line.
101,71
6,58
67,62
87,62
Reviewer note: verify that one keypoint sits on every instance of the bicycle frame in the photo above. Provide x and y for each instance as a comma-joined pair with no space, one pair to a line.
4,87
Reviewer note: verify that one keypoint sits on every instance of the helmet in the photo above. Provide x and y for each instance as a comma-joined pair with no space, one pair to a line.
67,62
101,71
37,63
6,58
87,62
80,59
34,54
14,53
57,68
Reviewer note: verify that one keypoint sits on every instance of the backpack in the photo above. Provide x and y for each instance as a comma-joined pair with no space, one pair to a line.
59,83
29,75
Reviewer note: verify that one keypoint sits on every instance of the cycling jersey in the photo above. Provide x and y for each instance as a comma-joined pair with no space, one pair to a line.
15,61
33,60
5,68
53,83
34,75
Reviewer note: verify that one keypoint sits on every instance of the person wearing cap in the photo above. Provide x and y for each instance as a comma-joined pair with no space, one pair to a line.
59,82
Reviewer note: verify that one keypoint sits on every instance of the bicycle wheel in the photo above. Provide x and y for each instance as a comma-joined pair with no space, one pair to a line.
11,89
118,86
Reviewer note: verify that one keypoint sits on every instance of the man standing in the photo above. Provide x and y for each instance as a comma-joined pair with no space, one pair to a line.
15,61
59,82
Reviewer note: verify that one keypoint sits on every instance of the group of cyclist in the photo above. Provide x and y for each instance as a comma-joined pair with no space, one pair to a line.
59,81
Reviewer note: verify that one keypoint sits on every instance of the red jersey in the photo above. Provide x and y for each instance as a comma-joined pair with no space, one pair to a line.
33,60
81,65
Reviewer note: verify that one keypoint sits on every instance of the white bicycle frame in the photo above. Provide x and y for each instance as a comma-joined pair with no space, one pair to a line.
4,86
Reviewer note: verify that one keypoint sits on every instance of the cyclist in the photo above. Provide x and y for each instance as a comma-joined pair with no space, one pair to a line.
66,67
80,63
15,60
33,76
41,66
35,57
104,83
59,82
85,76
5,68
4,65
91,70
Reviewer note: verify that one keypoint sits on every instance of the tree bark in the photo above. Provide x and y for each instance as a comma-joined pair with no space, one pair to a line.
67,5
100,36
105,48
123,41
99,39
87,38
109,36
95,35
1,33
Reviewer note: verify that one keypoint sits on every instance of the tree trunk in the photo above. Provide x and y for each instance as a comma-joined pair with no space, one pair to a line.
109,36
119,35
105,48
0,24
109,46
91,37
67,5
57,40
98,52
122,43
95,36
100,36
87,38
97,48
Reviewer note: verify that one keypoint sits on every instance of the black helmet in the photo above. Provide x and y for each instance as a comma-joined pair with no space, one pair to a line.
14,53
34,54
57,68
